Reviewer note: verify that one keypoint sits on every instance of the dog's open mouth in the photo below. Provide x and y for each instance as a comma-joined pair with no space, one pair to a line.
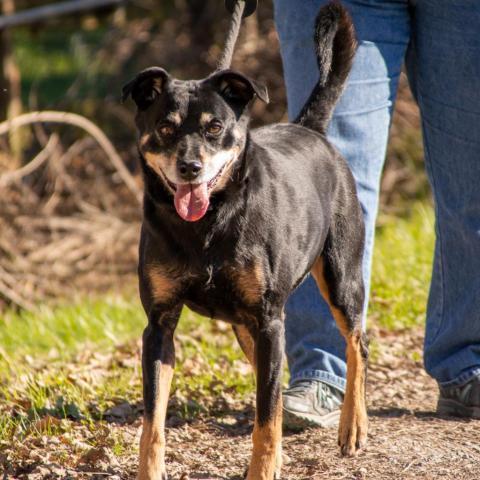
192,199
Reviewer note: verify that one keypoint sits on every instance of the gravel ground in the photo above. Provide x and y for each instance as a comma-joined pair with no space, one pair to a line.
406,439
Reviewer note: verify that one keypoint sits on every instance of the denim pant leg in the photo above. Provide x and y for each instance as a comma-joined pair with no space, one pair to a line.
444,69
359,129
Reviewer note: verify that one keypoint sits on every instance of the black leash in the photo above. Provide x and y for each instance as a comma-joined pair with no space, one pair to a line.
239,9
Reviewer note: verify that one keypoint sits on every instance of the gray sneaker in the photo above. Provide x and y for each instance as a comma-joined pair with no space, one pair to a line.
461,401
310,403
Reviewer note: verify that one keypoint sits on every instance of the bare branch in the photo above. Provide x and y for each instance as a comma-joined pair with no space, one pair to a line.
31,166
85,124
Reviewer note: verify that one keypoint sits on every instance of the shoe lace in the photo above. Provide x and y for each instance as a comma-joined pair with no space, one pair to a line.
301,387
326,397
325,393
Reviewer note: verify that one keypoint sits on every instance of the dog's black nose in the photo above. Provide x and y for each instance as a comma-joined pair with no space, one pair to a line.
189,170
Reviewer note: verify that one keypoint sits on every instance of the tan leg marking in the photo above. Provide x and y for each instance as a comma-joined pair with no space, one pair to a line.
266,462
164,282
152,441
318,275
352,433
246,343
250,282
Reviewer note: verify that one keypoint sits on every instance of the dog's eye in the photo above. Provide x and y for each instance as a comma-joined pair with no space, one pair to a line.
166,130
214,128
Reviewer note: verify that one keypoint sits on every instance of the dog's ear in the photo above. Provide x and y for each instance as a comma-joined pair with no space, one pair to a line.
236,87
146,87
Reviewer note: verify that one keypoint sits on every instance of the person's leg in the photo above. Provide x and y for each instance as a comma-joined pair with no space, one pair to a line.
444,68
359,129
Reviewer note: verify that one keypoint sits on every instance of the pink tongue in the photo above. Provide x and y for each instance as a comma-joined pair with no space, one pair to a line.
191,201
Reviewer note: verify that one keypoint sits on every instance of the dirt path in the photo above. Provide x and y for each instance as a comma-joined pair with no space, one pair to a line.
406,439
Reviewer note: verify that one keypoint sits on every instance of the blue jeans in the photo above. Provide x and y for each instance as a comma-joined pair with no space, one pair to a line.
440,42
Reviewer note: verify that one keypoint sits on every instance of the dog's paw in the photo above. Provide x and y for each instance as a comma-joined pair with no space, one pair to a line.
276,475
352,434
159,476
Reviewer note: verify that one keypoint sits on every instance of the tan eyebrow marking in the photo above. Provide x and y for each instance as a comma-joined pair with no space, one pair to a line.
175,118
205,118
144,139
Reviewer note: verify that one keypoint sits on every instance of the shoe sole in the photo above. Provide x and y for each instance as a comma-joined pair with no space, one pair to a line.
300,421
454,408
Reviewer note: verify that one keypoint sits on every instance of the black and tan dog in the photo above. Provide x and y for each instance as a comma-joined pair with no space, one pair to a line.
234,219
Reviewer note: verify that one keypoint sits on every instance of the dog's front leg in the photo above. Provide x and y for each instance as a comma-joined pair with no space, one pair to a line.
267,432
158,360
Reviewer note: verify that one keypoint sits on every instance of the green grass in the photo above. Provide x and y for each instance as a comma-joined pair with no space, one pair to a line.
62,330
76,361
402,269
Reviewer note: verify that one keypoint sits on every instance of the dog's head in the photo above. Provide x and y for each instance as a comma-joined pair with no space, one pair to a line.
192,132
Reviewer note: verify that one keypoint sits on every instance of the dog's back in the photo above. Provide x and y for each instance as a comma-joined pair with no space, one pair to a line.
306,184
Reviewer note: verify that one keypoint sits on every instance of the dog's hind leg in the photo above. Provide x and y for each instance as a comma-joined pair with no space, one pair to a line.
266,461
338,275
158,360
247,343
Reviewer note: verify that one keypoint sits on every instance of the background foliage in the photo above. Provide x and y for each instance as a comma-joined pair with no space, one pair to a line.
70,380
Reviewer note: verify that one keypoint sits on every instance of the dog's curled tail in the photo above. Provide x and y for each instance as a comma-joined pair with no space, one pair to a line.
335,47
